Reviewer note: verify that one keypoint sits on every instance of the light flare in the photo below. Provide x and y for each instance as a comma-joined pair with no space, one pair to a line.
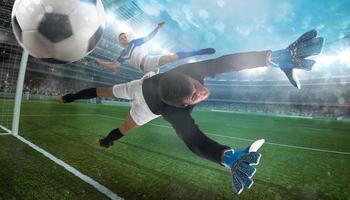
341,57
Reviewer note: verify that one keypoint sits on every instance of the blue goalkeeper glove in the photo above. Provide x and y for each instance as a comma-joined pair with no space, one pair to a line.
240,163
294,55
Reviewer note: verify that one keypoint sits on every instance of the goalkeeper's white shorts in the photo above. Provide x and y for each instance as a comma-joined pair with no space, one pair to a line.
140,111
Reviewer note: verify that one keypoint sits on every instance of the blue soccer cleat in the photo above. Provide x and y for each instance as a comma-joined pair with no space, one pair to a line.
293,57
241,165
186,54
206,51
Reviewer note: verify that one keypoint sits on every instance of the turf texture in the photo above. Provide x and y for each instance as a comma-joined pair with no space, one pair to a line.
302,159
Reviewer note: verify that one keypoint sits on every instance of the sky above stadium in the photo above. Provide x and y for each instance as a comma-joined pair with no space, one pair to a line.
233,25
236,25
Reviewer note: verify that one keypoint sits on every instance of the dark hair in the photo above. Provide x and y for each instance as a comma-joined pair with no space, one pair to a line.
174,88
120,34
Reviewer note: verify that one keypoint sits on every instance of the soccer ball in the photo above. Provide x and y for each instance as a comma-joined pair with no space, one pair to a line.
58,31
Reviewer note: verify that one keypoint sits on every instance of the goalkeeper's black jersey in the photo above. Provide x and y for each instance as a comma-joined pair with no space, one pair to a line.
180,118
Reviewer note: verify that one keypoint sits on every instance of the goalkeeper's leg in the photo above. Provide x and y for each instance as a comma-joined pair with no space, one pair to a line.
102,92
118,133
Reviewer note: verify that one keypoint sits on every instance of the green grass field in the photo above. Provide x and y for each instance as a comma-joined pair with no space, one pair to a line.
153,163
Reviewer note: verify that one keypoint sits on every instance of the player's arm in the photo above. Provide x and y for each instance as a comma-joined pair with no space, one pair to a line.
151,35
295,56
111,65
193,137
114,64
238,161
227,63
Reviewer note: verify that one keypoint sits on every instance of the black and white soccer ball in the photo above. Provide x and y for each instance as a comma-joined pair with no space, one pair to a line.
58,31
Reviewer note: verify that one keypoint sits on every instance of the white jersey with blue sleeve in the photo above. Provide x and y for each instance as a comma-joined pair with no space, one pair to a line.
134,53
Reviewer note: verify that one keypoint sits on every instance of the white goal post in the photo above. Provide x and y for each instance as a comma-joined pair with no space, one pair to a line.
19,91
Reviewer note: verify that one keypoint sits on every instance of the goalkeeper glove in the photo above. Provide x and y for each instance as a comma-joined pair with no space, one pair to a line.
294,55
240,163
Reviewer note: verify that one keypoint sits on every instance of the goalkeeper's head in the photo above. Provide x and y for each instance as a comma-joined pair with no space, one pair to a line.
180,90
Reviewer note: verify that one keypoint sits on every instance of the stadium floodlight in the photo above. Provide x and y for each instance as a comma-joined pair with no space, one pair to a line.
342,57
118,25
158,48
123,26
192,60
110,18
255,71
165,51
326,59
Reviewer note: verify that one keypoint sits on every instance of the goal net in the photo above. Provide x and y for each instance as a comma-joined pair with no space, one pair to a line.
10,58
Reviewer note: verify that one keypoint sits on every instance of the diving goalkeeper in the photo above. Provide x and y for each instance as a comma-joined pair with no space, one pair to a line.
173,95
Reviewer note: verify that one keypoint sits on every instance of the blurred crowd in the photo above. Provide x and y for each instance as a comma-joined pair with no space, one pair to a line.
313,100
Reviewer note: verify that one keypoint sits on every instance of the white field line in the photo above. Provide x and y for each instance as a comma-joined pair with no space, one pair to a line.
57,115
224,136
72,170
262,114
244,139
285,145
5,134
5,129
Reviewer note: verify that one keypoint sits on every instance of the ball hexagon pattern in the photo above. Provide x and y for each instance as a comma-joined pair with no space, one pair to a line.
55,27
58,31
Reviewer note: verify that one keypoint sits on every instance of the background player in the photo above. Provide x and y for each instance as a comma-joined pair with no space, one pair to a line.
136,56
